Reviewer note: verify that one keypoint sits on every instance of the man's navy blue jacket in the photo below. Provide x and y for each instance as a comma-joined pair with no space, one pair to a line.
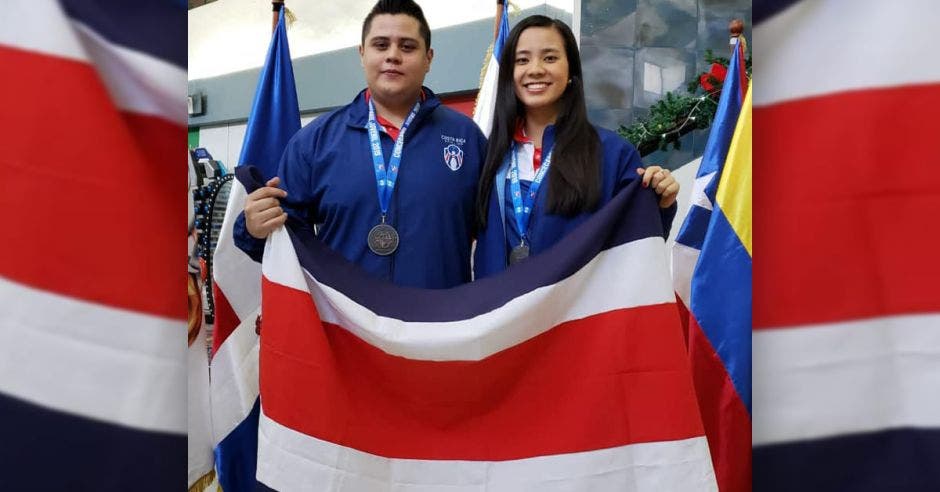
329,177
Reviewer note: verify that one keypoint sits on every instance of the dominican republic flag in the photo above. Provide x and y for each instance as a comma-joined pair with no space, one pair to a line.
92,275
846,296
274,118
712,277
567,372
486,98
200,462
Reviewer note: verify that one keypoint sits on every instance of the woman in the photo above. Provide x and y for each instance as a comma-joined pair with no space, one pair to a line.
541,138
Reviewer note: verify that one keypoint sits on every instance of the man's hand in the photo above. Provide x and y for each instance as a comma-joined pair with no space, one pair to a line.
263,212
662,182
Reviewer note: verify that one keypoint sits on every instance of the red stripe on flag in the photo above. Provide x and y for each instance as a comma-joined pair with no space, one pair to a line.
225,318
612,379
684,318
847,187
724,416
94,199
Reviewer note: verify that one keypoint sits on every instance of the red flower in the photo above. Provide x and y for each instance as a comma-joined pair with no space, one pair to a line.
713,79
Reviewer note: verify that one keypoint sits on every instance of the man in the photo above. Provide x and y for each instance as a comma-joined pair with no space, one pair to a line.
389,179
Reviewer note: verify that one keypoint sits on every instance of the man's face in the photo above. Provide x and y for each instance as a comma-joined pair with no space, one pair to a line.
394,58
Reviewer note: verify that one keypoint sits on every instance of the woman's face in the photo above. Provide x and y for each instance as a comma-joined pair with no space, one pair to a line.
540,71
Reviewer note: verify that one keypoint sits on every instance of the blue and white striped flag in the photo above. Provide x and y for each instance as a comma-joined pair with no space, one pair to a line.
486,98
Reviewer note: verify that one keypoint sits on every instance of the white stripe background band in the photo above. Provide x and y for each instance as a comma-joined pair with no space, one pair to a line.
39,26
137,82
235,273
234,371
486,99
199,439
815,34
840,378
585,293
92,360
291,461
684,259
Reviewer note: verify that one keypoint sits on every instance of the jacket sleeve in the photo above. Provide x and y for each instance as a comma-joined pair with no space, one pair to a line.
630,159
251,245
295,172
668,215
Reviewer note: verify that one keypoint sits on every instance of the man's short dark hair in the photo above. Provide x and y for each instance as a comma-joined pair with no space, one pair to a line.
393,7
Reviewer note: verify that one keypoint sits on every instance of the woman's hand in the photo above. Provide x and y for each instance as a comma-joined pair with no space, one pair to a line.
662,182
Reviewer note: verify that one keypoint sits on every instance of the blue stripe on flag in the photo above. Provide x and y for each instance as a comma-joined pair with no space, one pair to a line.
765,9
695,226
870,462
582,245
721,301
275,114
155,27
726,118
237,454
60,451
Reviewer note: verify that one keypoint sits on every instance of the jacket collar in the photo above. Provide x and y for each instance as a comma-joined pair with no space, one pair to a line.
358,114
548,137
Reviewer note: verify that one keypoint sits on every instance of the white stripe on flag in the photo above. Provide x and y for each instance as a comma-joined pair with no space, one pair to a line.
583,294
88,359
39,26
291,461
486,98
235,273
818,31
860,376
199,436
234,371
137,82
684,259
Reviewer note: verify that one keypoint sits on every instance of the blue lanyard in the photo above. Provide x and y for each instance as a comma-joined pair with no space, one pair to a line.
522,208
387,175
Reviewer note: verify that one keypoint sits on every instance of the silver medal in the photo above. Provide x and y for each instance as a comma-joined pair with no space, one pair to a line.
383,239
518,254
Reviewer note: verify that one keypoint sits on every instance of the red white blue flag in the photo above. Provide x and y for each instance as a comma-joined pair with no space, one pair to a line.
274,118
847,195
92,324
567,372
486,97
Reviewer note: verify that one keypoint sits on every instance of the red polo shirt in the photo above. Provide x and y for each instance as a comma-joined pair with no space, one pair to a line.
521,137
389,127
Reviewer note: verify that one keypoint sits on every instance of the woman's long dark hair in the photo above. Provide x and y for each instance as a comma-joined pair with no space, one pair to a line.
574,183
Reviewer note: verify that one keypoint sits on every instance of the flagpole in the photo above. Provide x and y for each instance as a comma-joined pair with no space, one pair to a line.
736,29
498,18
276,6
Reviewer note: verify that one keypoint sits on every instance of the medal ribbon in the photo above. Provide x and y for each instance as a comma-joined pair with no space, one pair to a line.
386,176
522,206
